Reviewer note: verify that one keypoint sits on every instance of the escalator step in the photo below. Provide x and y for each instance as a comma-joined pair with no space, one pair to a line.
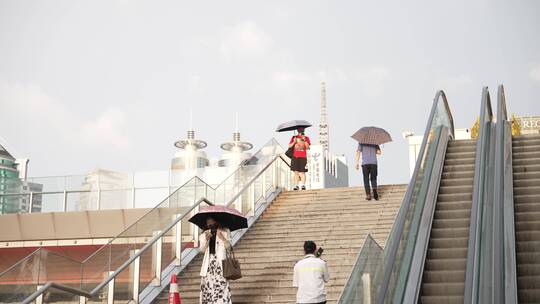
451,252
456,246
447,289
529,295
444,276
449,264
442,300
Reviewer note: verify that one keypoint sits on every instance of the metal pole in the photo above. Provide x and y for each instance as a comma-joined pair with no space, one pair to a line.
39,299
366,286
136,276
252,198
110,291
195,229
98,207
31,207
64,202
178,241
274,174
156,260
263,184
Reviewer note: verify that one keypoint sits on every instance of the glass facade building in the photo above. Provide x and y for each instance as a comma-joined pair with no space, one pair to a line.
9,178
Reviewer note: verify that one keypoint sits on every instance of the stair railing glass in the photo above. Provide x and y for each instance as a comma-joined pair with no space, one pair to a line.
479,270
138,256
388,281
504,243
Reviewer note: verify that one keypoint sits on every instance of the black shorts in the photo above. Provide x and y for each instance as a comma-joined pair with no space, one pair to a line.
299,164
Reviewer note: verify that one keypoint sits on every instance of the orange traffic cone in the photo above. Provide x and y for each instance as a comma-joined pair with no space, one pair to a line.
174,294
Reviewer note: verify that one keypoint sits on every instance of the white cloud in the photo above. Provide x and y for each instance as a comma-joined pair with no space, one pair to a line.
288,78
30,107
454,82
372,80
244,40
535,73
29,103
107,129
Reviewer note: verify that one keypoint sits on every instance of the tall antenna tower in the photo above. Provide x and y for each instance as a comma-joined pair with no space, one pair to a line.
323,126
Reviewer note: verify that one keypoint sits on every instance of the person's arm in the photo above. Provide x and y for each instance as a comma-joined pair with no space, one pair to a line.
358,152
326,276
203,241
292,142
308,142
379,152
295,277
225,236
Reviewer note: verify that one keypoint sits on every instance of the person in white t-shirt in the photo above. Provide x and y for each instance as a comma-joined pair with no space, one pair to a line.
310,274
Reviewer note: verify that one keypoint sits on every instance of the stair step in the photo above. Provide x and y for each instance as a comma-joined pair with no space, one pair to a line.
339,222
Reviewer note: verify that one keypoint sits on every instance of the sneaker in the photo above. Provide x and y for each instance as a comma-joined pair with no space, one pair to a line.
368,197
303,187
295,188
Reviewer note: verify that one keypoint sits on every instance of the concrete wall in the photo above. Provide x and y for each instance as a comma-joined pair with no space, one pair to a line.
66,225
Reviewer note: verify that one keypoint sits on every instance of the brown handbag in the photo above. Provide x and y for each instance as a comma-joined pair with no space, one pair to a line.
231,266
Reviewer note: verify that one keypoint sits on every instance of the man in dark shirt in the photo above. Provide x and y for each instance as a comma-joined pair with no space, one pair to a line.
369,167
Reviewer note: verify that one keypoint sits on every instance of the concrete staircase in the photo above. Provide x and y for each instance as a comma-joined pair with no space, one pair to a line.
443,280
526,167
337,219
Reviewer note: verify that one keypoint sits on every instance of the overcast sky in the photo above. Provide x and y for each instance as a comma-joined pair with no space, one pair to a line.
109,84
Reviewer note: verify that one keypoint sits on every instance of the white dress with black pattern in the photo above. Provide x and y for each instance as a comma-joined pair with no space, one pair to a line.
214,287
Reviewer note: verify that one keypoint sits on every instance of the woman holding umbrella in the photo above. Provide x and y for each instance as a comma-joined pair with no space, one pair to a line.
299,144
217,223
214,243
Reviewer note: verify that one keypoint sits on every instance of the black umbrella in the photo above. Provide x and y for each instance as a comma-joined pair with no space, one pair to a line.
293,125
372,136
227,217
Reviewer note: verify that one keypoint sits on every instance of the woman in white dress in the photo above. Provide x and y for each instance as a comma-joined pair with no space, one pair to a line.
214,242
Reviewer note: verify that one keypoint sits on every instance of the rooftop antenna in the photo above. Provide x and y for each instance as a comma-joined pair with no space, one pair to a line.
323,126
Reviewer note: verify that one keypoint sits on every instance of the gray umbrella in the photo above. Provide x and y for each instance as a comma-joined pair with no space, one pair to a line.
293,125
372,136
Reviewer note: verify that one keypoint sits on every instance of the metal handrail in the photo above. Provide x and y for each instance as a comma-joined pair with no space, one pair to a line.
149,244
504,260
478,198
399,224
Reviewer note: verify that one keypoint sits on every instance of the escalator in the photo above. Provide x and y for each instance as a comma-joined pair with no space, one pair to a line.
526,174
444,271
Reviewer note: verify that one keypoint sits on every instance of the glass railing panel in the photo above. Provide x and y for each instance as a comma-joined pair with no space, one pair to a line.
407,243
147,270
21,280
394,265
359,288
479,253
147,197
50,202
60,297
80,201
119,199
59,269
113,255
96,267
